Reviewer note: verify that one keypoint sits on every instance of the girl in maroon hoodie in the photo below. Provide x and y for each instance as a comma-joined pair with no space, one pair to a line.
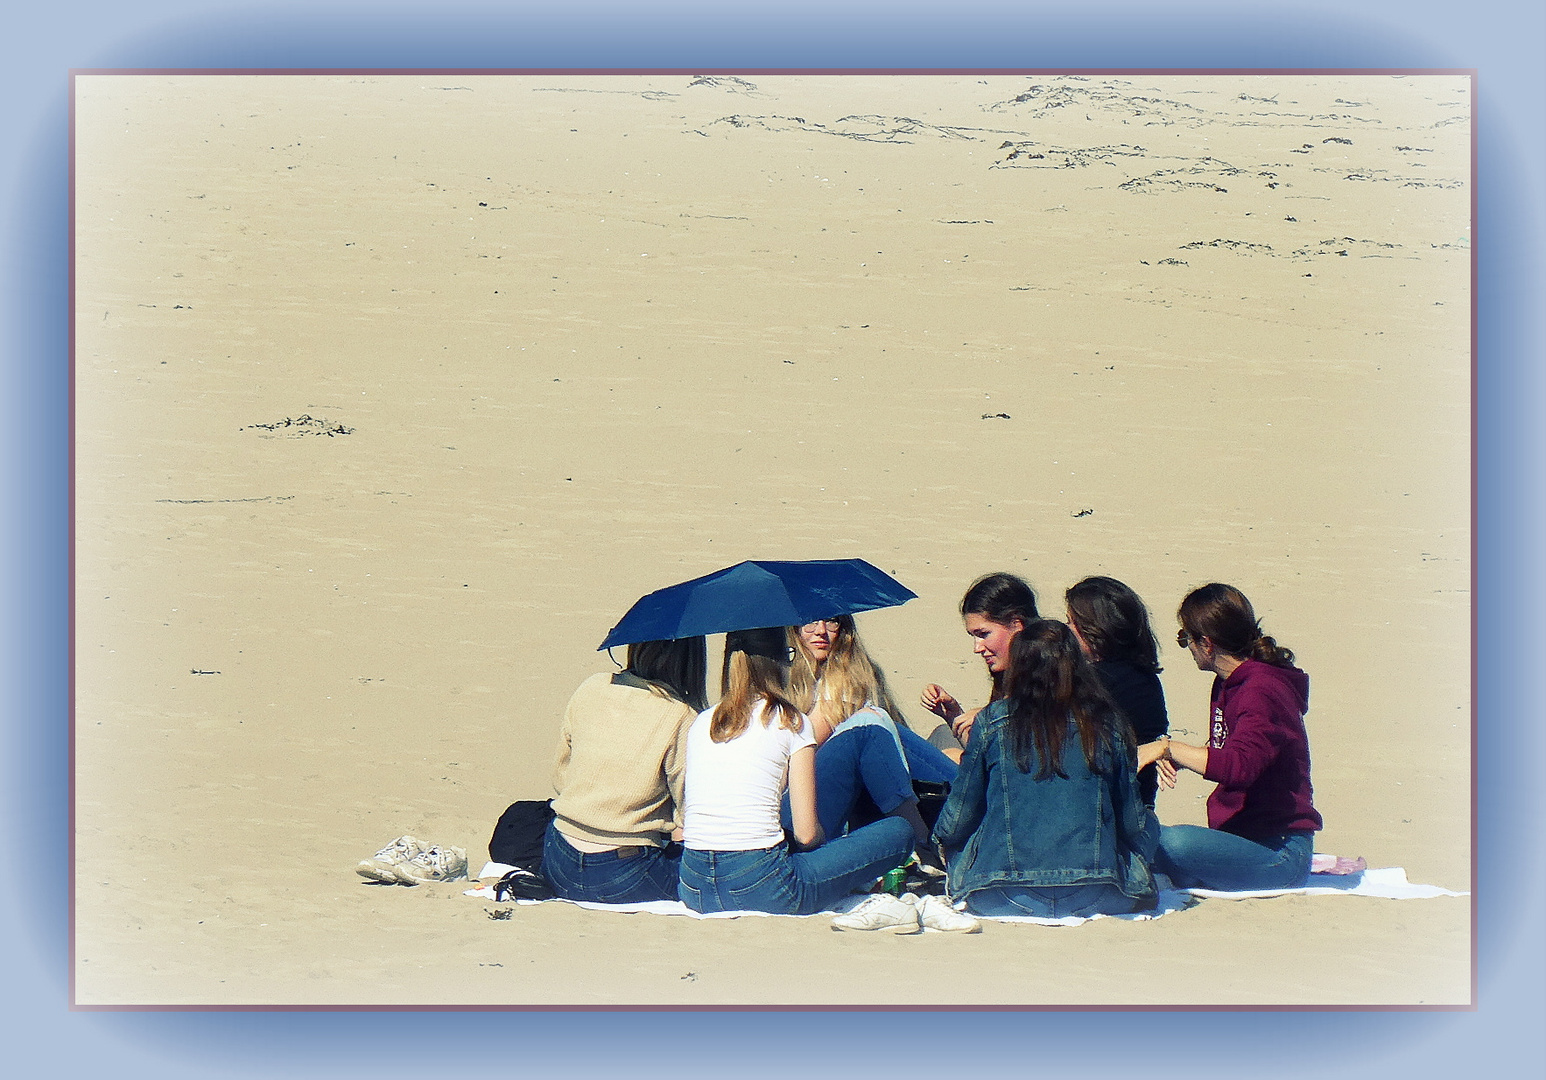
1261,820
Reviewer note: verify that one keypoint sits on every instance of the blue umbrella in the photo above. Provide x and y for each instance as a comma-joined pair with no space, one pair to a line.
752,594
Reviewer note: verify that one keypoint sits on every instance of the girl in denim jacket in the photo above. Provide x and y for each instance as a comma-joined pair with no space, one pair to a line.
1045,817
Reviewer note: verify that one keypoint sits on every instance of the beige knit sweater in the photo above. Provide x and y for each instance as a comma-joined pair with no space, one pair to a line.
617,776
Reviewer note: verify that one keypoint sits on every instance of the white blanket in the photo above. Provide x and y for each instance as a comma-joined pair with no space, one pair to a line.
1389,883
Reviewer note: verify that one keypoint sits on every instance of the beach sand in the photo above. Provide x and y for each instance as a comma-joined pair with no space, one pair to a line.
394,392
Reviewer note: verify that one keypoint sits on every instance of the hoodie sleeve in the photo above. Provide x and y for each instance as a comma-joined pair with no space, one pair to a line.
1261,715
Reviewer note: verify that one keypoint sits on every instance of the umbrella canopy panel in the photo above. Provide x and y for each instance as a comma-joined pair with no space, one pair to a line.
752,594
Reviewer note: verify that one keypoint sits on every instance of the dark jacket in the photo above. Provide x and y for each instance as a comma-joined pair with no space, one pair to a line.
1002,826
1141,698
1258,753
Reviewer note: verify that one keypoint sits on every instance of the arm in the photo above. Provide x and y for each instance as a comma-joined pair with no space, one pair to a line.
675,768
562,755
1136,823
802,798
1185,755
968,801
1165,749
1168,754
1260,725
821,726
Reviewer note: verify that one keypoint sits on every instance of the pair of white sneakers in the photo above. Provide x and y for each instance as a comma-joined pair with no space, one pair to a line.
907,914
409,861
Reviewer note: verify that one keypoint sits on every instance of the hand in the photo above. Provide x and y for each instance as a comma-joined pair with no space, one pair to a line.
1167,773
962,725
939,701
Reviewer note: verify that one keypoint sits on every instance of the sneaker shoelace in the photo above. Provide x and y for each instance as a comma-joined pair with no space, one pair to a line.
436,860
400,850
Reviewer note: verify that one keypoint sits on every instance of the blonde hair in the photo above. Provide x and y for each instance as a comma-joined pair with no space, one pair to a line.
756,670
850,677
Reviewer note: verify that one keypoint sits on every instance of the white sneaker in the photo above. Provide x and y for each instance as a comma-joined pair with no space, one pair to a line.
936,913
380,866
434,864
881,911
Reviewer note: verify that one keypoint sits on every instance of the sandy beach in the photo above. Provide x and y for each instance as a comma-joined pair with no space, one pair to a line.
393,392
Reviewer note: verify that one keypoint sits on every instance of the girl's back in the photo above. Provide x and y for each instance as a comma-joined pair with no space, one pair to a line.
734,788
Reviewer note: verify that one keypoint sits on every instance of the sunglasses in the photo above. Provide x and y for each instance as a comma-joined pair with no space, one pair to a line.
1185,640
832,625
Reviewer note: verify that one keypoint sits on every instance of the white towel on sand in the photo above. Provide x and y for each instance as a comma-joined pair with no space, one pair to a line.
1389,883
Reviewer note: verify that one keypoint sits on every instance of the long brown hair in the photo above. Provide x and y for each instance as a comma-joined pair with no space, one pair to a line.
677,668
1113,622
850,677
1053,688
1223,615
756,669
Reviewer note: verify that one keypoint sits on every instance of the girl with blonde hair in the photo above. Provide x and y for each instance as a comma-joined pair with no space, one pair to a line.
867,757
742,755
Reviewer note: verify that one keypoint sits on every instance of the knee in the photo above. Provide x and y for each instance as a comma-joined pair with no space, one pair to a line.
1177,841
898,830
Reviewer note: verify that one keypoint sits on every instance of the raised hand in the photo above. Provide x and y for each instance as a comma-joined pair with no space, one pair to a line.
939,701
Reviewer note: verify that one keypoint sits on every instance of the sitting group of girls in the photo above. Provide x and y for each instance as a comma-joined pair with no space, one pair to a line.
798,786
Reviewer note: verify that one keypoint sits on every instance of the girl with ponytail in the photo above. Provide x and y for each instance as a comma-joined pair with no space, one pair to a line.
1261,816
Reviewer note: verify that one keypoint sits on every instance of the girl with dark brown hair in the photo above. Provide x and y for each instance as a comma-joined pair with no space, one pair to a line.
1261,816
1044,818
995,608
1112,625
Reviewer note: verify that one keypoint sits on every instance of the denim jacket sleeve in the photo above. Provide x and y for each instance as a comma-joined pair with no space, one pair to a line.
968,802
1138,826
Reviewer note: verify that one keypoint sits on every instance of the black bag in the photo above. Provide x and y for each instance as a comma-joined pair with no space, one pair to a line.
517,839
931,800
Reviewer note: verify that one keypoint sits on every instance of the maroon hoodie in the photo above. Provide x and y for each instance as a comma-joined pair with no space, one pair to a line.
1258,752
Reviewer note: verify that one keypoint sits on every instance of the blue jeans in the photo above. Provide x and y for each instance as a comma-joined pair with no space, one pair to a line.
773,880
925,760
1054,902
640,875
858,769
861,775
1197,858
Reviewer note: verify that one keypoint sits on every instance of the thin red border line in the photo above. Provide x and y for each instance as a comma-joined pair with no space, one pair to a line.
1470,73
1475,365
485,1008
783,71
70,489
